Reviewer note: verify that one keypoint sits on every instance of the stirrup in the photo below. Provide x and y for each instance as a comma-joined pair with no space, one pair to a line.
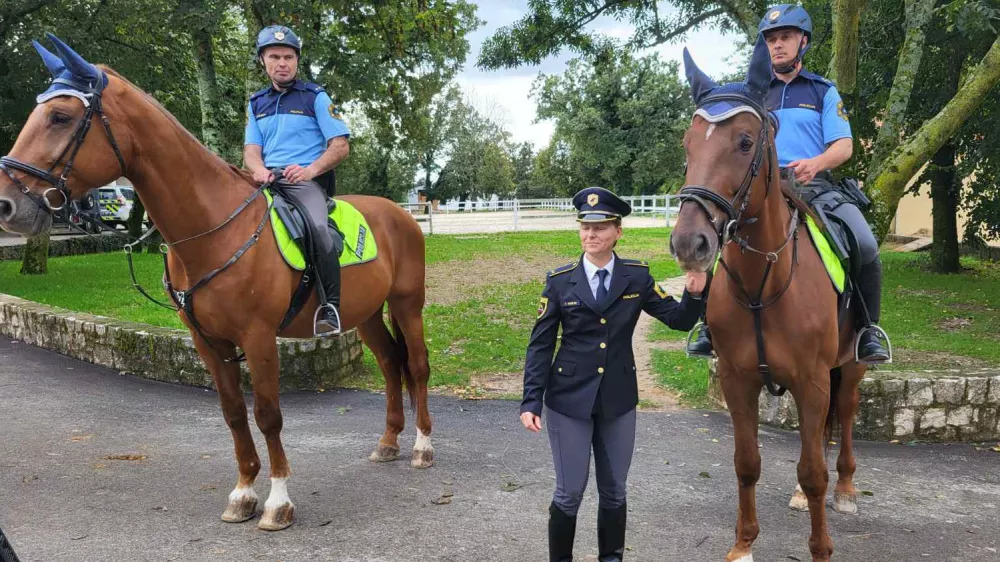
882,336
334,332
692,334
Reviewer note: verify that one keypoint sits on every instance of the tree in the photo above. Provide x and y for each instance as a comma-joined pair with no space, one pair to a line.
522,158
620,118
478,164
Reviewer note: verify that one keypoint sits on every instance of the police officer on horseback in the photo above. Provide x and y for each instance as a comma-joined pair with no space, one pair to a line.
294,127
814,138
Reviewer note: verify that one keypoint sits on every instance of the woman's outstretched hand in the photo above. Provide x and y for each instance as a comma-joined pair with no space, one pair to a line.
531,422
694,282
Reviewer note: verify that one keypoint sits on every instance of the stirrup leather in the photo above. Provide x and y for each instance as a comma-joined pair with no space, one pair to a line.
881,335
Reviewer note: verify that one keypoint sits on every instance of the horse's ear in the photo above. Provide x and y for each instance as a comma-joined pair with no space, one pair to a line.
700,83
759,74
76,64
52,62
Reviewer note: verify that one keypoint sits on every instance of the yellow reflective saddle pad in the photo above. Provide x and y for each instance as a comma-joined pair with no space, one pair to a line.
834,267
359,242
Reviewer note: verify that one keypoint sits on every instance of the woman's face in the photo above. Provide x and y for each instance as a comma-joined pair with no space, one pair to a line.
599,237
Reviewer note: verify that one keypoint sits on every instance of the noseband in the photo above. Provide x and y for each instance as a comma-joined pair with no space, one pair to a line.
9,164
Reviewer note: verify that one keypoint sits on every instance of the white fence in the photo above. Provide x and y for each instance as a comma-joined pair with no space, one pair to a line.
505,215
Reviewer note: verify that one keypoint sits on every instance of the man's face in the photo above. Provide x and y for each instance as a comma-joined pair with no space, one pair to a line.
280,63
783,44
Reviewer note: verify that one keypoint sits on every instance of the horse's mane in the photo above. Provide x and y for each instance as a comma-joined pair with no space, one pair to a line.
241,173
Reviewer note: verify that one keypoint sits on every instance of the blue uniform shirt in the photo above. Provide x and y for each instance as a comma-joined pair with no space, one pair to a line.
293,127
811,116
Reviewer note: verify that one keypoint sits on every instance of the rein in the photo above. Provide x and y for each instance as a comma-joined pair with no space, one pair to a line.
728,232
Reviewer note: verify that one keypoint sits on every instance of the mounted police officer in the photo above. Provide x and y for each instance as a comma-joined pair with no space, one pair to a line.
294,126
814,138
590,392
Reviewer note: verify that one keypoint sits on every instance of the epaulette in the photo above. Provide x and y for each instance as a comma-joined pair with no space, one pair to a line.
563,268
259,93
816,77
314,88
634,263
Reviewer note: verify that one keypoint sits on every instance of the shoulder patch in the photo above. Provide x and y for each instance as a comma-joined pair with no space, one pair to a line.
314,88
635,263
816,77
563,269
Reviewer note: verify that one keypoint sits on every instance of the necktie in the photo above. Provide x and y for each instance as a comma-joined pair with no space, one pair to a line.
602,290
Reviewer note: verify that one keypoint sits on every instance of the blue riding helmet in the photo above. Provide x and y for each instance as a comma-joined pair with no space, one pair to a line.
786,15
278,35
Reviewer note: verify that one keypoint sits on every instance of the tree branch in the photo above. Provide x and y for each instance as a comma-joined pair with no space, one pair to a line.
17,15
694,22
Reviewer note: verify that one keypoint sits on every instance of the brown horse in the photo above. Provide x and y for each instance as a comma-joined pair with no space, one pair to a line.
188,191
773,310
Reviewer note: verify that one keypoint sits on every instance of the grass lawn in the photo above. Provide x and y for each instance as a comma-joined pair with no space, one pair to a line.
935,321
483,293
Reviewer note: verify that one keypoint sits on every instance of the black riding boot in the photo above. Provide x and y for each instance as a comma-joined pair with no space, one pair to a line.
870,348
328,315
7,553
701,345
611,533
562,531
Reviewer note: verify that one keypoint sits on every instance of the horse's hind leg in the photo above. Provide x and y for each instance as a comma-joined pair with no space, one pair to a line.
262,358
741,396
813,405
376,336
845,497
407,315
243,498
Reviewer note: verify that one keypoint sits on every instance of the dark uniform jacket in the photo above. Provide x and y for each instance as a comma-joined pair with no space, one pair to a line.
594,369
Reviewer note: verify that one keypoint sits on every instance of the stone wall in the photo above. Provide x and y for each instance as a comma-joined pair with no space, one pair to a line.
921,405
166,354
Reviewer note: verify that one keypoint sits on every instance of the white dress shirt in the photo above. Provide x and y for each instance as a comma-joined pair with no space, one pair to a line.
591,270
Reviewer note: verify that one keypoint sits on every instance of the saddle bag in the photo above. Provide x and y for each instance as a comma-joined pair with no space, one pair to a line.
852,190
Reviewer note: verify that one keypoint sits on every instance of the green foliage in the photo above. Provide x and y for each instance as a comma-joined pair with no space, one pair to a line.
619,120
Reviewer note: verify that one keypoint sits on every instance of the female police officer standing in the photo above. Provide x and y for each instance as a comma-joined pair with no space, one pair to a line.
590,390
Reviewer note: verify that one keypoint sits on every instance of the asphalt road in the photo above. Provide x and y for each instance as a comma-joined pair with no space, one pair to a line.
61,499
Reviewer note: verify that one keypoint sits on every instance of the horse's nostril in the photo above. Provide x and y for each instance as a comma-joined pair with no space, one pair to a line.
6,209
703,248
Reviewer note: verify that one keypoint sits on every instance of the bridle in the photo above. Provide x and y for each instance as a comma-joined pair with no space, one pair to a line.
9,164
728,231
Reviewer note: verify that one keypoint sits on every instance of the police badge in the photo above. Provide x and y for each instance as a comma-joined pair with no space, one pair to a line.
543,306
592,199
280,35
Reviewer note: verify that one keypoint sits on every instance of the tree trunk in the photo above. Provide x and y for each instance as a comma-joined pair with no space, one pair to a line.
918,13
844,64
888,187
944,194
135,219
36,255
208,89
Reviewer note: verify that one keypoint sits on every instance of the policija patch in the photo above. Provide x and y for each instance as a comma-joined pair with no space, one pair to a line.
543,306
659,291
335,112
841,112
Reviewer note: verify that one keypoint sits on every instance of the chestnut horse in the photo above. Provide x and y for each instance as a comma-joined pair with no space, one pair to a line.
773,310
189,192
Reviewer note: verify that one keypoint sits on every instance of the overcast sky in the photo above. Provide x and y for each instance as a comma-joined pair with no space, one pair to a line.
507,91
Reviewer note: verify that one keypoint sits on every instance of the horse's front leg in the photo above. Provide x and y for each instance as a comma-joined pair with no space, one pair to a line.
845,496
262,358
741,397
813,401
243,499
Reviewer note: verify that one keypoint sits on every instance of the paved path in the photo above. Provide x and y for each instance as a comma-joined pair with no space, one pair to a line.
61,500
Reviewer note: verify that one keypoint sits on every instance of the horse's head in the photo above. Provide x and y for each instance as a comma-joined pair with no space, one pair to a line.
54,159
728,145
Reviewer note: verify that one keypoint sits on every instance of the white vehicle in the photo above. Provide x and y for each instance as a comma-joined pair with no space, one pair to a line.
115,204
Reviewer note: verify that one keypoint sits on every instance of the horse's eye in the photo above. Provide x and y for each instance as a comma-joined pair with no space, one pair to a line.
60,119
746,144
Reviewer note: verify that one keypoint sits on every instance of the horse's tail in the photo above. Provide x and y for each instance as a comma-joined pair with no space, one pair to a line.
402,354
831,417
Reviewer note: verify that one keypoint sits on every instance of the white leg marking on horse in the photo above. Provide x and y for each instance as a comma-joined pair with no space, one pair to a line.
279,494
240,493
799,501
747,558
708,135
423,441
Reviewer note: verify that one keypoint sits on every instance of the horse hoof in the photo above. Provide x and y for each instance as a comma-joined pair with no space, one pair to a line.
748,557
799,501
845,503
276,519
384,453
240,510
422,458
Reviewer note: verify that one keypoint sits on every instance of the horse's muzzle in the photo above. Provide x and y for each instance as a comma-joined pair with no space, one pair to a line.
694,251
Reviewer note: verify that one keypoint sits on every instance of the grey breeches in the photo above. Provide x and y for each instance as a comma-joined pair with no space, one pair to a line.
310,195
833,203
612,440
